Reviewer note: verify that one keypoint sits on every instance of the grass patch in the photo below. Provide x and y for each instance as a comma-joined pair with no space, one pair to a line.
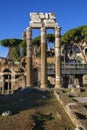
40,119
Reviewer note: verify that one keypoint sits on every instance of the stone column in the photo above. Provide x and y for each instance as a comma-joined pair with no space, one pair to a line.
3,91
43,58
29,57
57,58
8,84
12,80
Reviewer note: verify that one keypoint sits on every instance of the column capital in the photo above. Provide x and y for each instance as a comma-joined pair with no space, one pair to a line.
29,33
43,29
58,28
29,29
57,31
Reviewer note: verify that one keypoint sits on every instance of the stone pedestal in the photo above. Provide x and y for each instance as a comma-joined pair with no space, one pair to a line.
29,57
43,58
57,58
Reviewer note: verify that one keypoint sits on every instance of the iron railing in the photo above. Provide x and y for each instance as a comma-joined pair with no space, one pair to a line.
68,69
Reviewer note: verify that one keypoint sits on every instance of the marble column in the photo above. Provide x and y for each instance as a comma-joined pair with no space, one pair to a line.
43,58
57,58
29,57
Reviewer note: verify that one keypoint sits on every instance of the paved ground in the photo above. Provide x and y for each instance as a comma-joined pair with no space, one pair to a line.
81,99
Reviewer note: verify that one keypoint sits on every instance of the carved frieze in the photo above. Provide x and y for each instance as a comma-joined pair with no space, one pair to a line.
42,19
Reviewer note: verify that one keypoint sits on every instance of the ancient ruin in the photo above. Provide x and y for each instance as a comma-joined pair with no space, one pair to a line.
43,21
41,72
60,70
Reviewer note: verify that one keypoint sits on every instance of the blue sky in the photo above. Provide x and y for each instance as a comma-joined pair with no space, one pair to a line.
14,15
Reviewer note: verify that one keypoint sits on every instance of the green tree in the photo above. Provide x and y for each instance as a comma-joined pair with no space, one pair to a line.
10,42
23,46
36,41
76,37
16,53
50,38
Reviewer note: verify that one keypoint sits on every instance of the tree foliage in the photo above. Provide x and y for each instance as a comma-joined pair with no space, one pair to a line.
23,46
37,40
50,38
15,44
76,35
10,42
16,53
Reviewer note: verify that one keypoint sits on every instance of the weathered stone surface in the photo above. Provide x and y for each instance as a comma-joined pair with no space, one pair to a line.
57,58
36,24
43,19
24,35
81,99
43,58
6,113
78,128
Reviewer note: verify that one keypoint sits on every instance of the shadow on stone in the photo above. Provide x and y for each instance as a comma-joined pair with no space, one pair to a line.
80,116
85,106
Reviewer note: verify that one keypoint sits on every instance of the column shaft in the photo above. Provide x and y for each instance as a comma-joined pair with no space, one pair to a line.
3,91
57,58
29,57
43,58
8,84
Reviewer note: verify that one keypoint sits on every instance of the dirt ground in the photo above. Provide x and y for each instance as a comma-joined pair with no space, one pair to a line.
33,111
